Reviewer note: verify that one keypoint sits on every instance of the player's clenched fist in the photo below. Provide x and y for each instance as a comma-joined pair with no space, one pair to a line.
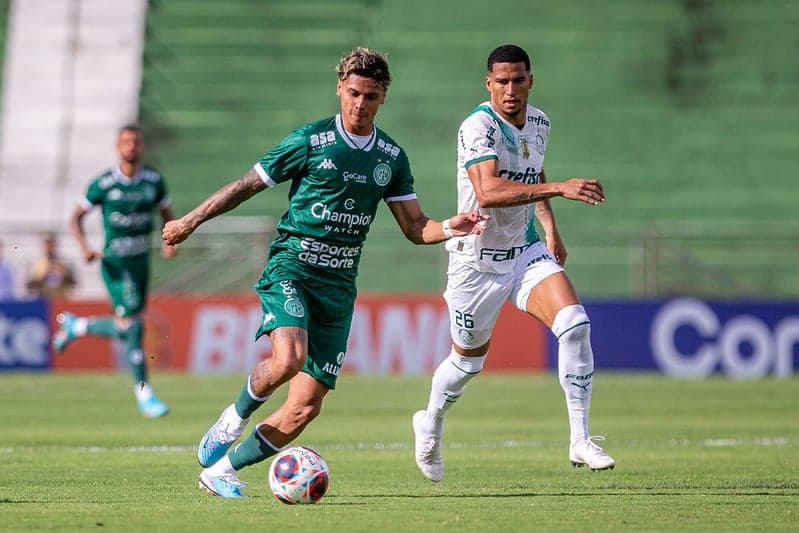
176,231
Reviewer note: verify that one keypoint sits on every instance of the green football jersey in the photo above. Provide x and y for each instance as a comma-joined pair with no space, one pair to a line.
336,188
128,206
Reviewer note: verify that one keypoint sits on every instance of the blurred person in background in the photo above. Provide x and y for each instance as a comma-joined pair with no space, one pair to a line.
500,171
128,195
49,275
339,170
6,276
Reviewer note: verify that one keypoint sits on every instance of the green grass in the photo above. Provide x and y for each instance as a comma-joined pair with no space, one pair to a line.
692,456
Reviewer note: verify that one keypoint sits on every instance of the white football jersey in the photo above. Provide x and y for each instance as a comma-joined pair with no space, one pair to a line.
520,157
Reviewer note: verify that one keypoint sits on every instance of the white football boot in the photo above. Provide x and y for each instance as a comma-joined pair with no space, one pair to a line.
428,449
216,441
587,452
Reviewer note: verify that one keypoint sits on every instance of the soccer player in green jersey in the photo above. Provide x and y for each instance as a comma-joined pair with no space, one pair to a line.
339,169
128,196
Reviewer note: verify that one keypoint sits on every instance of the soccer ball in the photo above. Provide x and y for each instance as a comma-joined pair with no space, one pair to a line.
299,475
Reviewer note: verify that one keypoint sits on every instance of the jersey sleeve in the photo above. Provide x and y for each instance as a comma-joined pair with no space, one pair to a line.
161,193
95,194
401,186
286,161
478,138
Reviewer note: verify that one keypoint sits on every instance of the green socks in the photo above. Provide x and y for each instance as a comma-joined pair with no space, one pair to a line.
133,349
102,326
253,449
245,403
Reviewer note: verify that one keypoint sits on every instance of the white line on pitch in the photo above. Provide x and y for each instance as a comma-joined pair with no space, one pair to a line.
671,443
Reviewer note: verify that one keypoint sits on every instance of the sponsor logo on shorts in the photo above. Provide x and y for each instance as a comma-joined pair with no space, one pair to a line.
294,307
382,174
465,335
546,256
330,368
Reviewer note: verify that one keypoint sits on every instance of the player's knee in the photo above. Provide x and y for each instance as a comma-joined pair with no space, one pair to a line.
572,325
286,364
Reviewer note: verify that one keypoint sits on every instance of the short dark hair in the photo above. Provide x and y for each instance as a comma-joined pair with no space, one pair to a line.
135,128
507,53
366,63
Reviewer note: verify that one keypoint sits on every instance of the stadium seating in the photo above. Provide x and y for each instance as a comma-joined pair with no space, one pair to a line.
687,111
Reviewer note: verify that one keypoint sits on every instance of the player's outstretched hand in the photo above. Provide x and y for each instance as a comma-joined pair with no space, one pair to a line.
471,223
176,231
583,190
168,251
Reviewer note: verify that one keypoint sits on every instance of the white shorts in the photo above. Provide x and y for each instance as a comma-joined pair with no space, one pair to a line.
475,298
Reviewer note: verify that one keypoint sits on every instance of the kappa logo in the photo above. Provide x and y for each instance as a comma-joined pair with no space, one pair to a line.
327,164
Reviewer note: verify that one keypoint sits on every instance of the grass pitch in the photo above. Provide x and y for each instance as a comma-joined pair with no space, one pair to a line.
691,456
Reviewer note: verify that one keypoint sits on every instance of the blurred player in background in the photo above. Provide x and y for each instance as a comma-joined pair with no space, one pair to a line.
128,195
339,170
49,275
501,148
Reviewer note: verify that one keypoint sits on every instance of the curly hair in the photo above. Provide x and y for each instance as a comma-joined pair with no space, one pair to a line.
366,63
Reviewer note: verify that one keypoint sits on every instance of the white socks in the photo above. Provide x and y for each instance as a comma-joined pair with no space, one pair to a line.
449,380
575,366
79,326
221,467
142,391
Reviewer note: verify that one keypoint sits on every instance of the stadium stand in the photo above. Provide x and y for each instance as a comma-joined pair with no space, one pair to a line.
686,109
65,94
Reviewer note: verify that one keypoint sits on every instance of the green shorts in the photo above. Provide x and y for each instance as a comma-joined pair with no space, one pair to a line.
322,308
127,281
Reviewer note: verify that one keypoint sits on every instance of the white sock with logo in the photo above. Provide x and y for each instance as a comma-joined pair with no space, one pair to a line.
449,381
575,366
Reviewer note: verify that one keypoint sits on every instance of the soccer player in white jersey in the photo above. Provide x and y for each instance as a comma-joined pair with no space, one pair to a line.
501,147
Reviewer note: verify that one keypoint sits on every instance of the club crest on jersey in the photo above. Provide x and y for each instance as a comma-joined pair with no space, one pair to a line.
294,307
382,174
540,145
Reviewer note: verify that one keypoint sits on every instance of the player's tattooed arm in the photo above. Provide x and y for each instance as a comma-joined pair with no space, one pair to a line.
222,201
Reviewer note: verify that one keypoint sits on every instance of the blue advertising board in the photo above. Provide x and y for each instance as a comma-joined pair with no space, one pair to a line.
24,335
693,338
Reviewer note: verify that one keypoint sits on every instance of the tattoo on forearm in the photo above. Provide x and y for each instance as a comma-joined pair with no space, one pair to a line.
226,198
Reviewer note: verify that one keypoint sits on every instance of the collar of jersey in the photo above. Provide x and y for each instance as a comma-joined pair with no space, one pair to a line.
348,138
122,178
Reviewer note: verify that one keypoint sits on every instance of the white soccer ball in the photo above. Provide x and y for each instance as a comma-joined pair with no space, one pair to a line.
299,475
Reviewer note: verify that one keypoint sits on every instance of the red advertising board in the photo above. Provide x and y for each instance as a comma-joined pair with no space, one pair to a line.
391,333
